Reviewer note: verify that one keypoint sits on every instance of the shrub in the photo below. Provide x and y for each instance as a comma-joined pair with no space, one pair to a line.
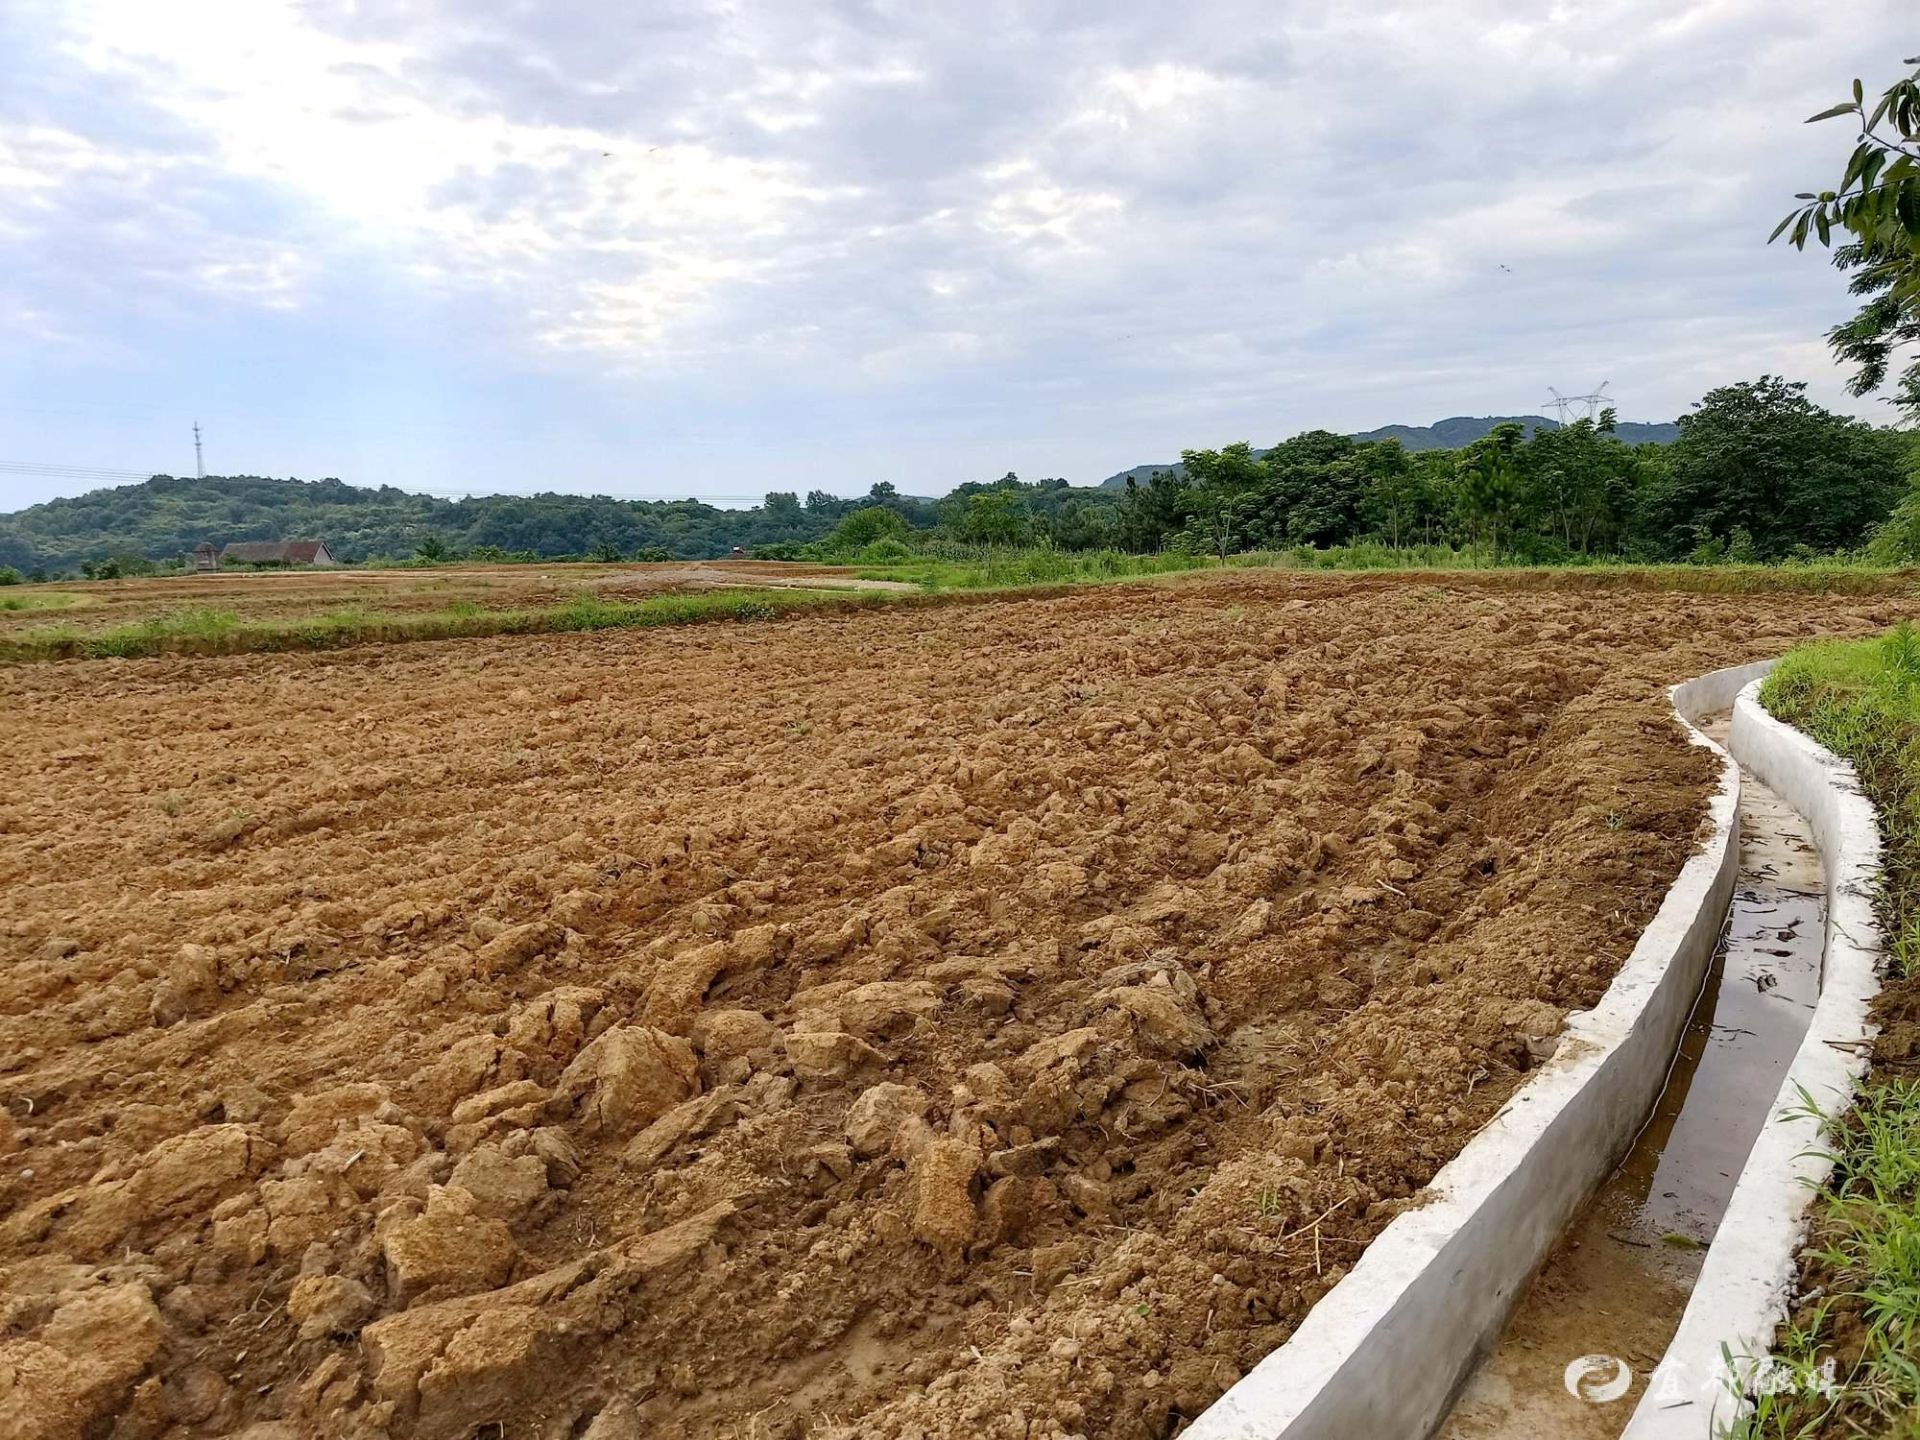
863,527
9,575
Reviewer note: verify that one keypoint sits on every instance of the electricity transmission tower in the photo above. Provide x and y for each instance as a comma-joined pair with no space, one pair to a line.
199,465
1562,404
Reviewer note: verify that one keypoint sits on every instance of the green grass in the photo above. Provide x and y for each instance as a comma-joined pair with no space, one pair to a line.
14,600
1861,699
996,569
221,632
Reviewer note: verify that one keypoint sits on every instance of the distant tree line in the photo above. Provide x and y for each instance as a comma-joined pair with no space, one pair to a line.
1758,473
163,518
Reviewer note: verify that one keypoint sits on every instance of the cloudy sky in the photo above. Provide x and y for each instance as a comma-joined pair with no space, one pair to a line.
672,247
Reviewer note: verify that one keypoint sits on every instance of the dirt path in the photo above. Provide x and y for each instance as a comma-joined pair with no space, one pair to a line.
996,1020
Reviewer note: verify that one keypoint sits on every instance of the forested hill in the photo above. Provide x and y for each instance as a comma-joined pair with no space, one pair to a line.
167,516
1448,434
1459,430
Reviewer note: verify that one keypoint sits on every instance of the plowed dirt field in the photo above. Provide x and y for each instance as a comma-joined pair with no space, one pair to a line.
1001,1019
93,605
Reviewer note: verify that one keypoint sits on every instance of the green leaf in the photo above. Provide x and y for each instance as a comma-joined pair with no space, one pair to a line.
1855,163
1859,92
1907,207
1830,113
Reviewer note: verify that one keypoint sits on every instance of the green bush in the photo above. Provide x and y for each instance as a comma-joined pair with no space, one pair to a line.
863,527
9,575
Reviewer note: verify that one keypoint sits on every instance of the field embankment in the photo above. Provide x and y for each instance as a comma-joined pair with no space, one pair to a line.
1850,1344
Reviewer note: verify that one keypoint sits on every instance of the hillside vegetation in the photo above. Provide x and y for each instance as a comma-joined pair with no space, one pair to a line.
168,515
1757,473
1448,434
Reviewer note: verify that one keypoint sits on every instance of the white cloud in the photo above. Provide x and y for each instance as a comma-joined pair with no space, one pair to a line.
1001,219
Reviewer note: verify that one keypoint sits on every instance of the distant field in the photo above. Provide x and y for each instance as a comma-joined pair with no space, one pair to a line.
278,610
242,613
292,594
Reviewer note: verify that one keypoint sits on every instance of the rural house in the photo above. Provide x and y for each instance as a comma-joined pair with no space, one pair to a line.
277,552
203,557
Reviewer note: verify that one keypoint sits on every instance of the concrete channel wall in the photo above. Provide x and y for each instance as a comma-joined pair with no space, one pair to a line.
1746,1283
1384,1351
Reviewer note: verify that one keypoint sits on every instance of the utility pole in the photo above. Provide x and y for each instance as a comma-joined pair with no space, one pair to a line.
199,465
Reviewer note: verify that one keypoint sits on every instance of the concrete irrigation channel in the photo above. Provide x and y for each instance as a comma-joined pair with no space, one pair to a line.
1666,1252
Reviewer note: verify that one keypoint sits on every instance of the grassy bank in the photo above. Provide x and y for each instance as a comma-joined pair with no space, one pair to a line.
13,600
203,631
1861,1266
994,569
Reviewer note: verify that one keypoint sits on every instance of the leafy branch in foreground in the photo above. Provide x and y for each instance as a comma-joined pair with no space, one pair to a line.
1880,188
1877,203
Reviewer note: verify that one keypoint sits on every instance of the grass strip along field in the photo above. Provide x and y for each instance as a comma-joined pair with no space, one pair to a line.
210,631
1000,568
1861,1268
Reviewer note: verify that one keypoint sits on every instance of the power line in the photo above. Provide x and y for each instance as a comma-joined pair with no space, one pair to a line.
71,472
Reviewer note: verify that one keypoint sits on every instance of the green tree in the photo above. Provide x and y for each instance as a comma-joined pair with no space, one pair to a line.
1877,203
1231,471
1393,495
1151,512
782,507
1316,487
995,517
1761,456
1583,485
1488,490
433,550
864,526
